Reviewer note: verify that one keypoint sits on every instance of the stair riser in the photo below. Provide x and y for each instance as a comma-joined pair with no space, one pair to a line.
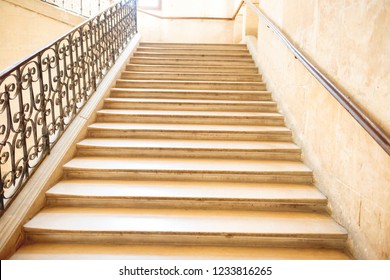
172,119
190,175
283,154
195,135
189,51
185,203
199,55
269,108
190,85
194,46
186,239
188,69
261,96
198,59
226,63
191,77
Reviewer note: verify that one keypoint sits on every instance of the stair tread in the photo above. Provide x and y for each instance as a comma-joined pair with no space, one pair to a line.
187,113
189,76
179,73
192,45
195,54
190,50
193,90
187,101
129,89
178,59
231,62
191,82
187,164
197,68
188,190
47,251
194,57
186,144
188,127
193,222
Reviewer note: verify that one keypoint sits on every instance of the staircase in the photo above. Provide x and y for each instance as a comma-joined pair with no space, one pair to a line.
188,159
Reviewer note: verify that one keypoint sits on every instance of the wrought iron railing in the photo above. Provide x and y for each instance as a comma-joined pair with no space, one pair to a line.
42,94
86,8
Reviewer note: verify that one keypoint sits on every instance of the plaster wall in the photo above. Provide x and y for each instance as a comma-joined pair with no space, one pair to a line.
349,41
190,30
26,26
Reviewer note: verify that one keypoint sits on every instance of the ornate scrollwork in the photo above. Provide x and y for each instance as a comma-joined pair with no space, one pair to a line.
41,95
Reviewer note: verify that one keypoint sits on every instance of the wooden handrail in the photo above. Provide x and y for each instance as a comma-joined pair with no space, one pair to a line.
377,133
233,17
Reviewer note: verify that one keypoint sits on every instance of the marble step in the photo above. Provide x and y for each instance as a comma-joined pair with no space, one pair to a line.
190,117
68,251
237,70
188,50
202,169
189,131
197,85
199,59
188,148
179,76
194,46
194,55
186,195
231,62
189,105
232,95
185,227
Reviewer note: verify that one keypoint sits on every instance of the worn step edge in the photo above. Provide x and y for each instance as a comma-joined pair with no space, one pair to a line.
217,176
194,58
47,226
323,241
91,148
185,202
115,130
192,94
193,45
187,195
196,52
238,70
173,117
187,106
196,85
195,55
50,251
137,75
170,61
199,175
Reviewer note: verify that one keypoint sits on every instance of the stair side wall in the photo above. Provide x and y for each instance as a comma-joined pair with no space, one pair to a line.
28,25
349,42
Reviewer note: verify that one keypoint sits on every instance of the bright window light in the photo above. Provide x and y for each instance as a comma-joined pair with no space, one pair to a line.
149,4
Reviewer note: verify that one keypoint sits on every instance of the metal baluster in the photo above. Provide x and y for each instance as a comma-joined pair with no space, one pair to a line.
42,108
1,194
66,73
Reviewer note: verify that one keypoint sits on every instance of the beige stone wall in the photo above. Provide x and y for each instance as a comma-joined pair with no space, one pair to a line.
190,31
27,25
349,41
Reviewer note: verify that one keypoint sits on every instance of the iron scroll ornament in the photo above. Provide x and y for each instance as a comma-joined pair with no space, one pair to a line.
41,95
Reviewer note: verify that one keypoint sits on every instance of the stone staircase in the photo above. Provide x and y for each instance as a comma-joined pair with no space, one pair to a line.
188,159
